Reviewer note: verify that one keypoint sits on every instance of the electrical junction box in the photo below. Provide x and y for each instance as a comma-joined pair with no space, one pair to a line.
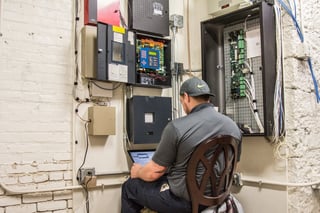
149,16
147,117
221,7
102,120
176,20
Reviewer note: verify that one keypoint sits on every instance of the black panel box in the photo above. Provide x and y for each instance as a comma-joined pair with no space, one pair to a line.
149,16
115,54
147,117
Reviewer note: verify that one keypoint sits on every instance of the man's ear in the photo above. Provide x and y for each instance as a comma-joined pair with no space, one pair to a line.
188,97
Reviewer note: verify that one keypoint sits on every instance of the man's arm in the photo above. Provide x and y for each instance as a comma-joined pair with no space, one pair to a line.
150,172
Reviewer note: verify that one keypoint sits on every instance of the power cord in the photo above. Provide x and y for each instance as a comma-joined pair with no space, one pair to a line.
85,187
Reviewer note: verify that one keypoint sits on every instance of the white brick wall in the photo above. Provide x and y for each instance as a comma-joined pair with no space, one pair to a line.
302,111
62,195
52,205
9,200
36,63
24,208
34,198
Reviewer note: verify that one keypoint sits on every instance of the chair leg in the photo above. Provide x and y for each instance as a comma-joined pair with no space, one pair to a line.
195,208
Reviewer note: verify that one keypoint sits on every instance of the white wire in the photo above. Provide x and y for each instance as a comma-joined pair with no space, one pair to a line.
248,85
278,108
259,123
251,78
252,97
253,108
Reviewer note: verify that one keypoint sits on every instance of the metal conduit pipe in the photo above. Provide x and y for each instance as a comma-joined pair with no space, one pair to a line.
313,185
10,191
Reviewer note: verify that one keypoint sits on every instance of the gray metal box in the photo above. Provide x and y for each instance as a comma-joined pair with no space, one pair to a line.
149,16
147,117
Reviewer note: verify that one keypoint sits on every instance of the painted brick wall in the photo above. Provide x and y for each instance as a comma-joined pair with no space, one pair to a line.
302,111
36,64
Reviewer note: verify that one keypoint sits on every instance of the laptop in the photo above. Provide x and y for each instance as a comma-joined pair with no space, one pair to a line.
141,156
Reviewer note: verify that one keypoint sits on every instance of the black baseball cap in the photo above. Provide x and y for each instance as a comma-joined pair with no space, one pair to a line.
195,87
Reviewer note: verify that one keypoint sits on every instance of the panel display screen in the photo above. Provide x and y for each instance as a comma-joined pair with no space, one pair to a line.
117,52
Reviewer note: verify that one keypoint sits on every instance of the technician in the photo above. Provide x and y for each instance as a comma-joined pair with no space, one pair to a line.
160,185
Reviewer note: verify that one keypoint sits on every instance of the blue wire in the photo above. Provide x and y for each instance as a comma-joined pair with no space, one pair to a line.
315,83
293,19
295,9
314,80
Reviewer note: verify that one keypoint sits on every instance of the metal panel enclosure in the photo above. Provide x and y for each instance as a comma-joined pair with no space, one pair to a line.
149,16
217,69
147,117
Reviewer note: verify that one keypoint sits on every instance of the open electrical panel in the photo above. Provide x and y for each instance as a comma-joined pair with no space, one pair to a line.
239,64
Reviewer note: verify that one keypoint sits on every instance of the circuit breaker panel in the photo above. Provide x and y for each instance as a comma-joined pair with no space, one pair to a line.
239,64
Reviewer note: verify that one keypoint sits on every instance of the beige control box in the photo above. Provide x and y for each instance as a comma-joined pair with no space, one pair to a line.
88,51
103,120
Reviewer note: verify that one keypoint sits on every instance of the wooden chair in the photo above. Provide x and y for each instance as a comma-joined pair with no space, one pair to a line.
210,173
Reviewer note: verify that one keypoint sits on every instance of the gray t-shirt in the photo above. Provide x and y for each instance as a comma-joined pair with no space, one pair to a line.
181,136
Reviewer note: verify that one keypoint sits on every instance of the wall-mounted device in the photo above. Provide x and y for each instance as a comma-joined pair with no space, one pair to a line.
147,117
116,59
221,7
239,64
89,51
108,53
102,120
153,56
149,16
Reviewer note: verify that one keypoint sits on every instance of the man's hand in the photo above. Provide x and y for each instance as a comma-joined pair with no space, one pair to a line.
150,172
135,170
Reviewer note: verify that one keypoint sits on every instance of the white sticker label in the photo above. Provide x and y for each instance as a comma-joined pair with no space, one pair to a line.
157,9
131,37
118,72
118,37
253,43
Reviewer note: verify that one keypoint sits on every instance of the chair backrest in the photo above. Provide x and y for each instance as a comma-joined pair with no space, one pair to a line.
210,171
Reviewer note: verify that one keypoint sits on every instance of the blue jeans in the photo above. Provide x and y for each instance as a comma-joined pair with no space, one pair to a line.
137,194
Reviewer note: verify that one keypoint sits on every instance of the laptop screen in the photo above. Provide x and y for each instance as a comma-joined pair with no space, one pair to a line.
141,156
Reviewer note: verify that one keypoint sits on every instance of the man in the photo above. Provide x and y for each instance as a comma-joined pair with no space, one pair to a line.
148,186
